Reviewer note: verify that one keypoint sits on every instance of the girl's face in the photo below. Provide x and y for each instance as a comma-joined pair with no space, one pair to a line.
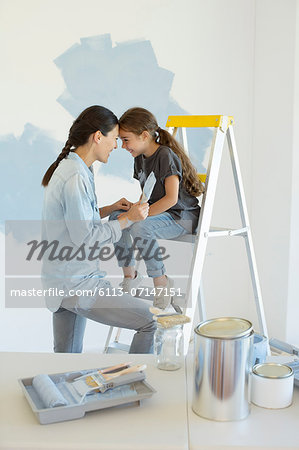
106,144
133,143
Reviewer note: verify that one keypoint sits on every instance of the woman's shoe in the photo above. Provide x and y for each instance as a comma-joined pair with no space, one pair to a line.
163,300
130,285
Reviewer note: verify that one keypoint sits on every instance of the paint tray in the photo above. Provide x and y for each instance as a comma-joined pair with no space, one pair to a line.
131,389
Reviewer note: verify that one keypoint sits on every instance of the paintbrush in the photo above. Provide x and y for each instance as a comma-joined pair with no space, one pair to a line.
99,382
172,320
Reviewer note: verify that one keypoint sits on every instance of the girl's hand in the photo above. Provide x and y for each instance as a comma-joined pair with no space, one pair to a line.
123,203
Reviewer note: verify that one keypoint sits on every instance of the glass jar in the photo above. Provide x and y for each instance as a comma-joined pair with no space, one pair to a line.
169,347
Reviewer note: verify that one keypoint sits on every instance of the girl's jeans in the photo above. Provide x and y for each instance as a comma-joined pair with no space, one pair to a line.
143,236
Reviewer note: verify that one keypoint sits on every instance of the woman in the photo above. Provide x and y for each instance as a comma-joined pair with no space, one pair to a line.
72,225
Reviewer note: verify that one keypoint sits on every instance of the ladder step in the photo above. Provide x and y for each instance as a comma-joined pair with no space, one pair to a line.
214,232
219,232
115,347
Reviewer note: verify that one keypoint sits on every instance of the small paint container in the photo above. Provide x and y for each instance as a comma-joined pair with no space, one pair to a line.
272,385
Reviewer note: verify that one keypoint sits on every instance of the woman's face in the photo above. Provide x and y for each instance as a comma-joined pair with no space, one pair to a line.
133,143
107,144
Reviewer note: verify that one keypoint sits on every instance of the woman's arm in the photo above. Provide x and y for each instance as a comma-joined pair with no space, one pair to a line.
79,216
170,198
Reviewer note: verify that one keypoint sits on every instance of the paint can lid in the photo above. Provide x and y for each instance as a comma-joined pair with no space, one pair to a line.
272,370
225,328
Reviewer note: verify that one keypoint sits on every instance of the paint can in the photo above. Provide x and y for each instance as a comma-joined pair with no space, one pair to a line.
223,361
272,385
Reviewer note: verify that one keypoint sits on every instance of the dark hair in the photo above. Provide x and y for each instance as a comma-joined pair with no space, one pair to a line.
89,121
138,120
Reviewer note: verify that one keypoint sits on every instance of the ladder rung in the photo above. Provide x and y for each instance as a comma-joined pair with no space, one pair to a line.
226,232
118,346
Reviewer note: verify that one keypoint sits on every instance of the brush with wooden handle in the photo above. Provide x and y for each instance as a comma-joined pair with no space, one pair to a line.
167,320
107,376
99,382
173,320
111,369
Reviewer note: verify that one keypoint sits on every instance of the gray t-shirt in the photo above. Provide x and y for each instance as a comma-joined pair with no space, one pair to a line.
164,163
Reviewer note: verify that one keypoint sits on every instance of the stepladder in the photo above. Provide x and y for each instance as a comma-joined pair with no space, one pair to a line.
194,299
223,130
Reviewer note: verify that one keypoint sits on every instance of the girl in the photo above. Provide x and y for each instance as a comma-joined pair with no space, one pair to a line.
174,208
72,219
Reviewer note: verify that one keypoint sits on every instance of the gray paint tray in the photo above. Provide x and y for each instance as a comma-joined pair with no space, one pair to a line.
134,391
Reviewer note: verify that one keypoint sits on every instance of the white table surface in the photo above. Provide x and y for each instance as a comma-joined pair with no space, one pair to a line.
159,423
262,429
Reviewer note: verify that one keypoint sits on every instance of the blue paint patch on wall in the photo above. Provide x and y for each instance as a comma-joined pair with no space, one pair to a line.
24,161
94,72
120,77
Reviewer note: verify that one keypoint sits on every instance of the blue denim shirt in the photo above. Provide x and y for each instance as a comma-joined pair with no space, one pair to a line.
71,217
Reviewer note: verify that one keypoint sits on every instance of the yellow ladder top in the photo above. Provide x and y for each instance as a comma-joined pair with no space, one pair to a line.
199,121
202,177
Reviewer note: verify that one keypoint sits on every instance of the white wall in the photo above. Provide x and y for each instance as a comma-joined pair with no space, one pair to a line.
274,190
236,58
292,334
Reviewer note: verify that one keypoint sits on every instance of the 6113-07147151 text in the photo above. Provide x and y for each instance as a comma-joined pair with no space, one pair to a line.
101,291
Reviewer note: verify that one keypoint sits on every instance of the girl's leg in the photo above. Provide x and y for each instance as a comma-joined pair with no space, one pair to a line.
145,234
129,272
68,330
160,281
122,311
162,226
124,251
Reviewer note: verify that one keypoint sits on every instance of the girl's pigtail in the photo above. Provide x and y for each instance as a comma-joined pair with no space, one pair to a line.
191,181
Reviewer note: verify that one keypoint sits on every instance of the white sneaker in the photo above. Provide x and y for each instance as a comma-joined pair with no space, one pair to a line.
130,285
163,301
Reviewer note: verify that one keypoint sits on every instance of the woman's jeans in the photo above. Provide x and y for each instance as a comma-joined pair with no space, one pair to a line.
143,236
122,311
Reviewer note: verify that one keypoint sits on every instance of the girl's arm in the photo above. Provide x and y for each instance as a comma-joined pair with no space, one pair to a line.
170,198
123,203
106,211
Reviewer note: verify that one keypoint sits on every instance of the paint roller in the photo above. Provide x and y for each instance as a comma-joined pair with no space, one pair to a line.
48,392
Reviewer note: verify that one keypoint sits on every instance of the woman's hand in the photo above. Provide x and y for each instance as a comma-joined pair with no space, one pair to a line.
136,213
123,203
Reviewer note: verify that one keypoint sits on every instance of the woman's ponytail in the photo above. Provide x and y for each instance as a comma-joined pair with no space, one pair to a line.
65,151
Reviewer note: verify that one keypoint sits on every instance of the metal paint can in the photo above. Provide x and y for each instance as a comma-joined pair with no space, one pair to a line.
272,385
223,361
